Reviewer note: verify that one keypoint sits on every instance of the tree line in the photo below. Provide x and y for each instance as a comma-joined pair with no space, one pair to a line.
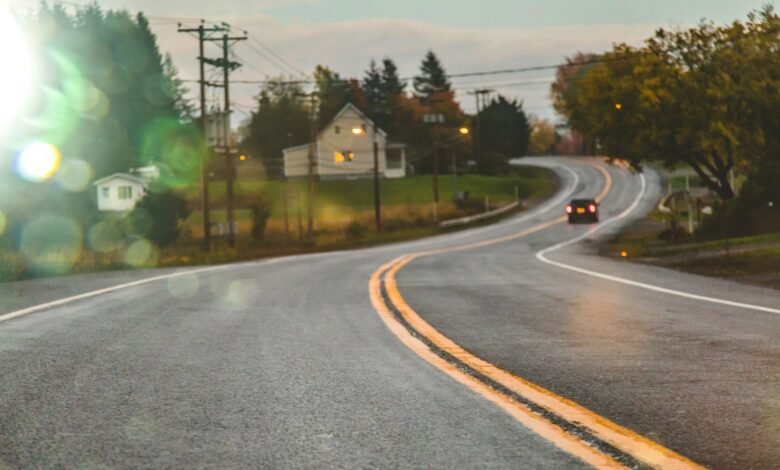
109,100
705,97
283,116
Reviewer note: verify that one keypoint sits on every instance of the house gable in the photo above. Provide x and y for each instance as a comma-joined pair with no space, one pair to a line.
119,192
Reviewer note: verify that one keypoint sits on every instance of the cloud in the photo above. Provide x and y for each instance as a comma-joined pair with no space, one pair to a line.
347,47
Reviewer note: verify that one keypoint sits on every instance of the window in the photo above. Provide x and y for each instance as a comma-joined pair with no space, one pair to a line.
343,156
125,192
105,192
337,129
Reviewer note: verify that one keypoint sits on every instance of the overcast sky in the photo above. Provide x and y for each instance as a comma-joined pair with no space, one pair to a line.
468,36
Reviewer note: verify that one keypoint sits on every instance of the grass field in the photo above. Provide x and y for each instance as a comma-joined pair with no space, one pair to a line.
339,202
343,212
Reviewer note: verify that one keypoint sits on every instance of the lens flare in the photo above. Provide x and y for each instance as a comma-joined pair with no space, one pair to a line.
38,161
141,254
51,243
16,86
184,286
75,175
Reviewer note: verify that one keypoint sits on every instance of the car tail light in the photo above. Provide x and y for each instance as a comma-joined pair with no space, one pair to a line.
592,208
568,209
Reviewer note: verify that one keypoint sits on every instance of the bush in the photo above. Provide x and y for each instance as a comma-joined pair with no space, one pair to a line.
729,219
159,217
355,231
261,212
494,164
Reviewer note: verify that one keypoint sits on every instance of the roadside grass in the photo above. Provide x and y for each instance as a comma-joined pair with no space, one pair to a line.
752,259
339,202
644,243
761,266
343,219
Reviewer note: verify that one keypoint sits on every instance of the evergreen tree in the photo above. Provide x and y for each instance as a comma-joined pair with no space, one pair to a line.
505,134
432,83
372,87
332,93
391,84
280,121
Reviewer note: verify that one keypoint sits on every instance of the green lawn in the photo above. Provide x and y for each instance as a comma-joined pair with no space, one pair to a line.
340,200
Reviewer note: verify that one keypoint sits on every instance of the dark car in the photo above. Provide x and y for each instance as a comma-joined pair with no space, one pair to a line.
583,210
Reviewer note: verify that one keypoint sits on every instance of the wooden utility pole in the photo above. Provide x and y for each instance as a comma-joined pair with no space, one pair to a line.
377,202
312,163
202,32
435,119
478,94
230,172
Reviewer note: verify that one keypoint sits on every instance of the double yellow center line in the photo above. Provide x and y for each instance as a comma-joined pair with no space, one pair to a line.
592,438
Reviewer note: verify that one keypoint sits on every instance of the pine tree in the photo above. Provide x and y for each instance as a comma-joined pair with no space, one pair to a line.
391,84
432,80
372,87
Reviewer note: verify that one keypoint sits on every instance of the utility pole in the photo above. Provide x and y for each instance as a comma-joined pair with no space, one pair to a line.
455,172
478,94
204,173
435,175
312,162
377,202
435,119
227,65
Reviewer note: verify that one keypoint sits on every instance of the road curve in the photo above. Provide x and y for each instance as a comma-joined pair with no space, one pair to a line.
287,363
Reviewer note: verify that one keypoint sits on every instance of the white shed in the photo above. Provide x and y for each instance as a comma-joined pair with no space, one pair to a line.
119,192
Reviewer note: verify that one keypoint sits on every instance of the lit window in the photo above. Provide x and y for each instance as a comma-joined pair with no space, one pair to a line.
337,129
106,192
125,192
343,156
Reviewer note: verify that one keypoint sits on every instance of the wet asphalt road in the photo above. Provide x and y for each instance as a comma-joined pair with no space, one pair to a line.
700,378
285,363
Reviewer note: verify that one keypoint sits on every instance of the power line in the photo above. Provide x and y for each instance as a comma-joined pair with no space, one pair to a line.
247,63
459,75
279,65
271,51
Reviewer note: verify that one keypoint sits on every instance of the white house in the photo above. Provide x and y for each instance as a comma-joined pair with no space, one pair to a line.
119,192
345,149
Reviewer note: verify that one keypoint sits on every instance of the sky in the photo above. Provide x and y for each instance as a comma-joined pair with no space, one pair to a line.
468,36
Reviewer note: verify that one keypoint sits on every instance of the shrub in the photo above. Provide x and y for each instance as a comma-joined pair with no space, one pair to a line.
261,212
355,231
159,216
729,219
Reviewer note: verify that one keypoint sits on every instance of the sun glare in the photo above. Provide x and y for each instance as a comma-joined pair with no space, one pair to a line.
38,161
15,85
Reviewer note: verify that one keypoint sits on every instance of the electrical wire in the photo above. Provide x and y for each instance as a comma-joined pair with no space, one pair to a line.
280,58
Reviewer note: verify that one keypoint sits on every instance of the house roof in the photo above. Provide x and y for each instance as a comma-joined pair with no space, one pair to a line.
295,148
347,107
360,113
124,176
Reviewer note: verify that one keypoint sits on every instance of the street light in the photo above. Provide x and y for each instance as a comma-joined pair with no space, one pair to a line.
377,203
464,130
618,106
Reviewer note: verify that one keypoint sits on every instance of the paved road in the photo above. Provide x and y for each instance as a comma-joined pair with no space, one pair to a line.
285,363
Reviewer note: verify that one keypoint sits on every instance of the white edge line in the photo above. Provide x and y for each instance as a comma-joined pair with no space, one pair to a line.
55,303
541,257
86,295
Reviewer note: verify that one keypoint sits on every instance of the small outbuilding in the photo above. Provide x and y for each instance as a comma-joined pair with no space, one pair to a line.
119,192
